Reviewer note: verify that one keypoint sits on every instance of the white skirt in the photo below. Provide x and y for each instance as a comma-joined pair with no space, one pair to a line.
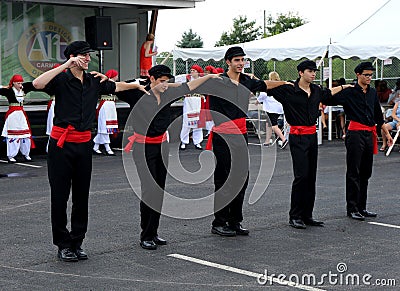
16,126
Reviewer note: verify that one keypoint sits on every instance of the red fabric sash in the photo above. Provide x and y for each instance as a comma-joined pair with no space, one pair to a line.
136,137
236,126
354,125
99,107
12,109
111,122
69,134
49,104
300,130
203,115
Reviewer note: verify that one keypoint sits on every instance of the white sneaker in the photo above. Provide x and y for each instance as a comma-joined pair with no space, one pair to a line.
198,146
110,153
183,146
98,152
28,158
11,160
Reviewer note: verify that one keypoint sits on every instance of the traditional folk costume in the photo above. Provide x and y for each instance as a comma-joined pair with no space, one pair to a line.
192,106
301,112
150,148
69,161
364,112
227,139
107,121
16,128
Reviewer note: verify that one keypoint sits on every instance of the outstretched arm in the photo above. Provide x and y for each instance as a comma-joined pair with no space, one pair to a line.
274,84
122,86
337,89
197,82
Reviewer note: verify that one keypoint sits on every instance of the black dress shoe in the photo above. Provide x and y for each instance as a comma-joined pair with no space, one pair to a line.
367,213
223,231
159,241
148,244
297,223
313,222
81,255
67,255
356,215
239,229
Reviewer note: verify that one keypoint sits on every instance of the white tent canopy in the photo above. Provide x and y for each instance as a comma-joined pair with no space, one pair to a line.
377,36
362,36
310,41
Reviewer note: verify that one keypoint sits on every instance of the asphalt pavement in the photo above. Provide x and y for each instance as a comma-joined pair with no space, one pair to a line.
343,255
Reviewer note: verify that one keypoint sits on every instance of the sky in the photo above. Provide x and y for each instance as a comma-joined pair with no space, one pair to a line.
212,17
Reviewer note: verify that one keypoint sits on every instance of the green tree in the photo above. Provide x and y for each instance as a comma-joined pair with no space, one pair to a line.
190,39
282,23
242,31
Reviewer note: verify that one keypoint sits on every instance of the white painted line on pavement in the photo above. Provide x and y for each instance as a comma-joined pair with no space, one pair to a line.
256,144
119,279
22,205
385,224
22,164
244,272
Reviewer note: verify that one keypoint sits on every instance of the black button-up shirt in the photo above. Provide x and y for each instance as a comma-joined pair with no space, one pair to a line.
76,101
147,116
229,99
300,109
359,106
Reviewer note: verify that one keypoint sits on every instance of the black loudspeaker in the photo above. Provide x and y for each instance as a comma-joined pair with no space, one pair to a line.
98,32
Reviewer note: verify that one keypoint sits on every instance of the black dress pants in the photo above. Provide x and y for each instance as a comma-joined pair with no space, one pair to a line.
231,177
151,162
69,167
359,160
304,151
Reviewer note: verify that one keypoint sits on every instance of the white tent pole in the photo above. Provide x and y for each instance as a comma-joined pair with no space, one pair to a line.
173,66
330,107
381,69
344,69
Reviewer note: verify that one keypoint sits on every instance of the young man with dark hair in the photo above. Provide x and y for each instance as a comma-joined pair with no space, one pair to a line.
227,138
70,147
361,104
301,106
150,119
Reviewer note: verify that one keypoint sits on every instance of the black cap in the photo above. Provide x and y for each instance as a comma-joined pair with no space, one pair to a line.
77,47
364,66
234,52
307,64
160,70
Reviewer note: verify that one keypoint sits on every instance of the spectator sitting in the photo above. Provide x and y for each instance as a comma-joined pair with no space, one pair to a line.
273,109
395,96
383,91
391,125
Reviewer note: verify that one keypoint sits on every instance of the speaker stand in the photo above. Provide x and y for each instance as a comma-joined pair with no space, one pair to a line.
100,55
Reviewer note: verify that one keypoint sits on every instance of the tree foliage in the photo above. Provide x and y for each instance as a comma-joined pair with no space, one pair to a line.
282,23
242,31
190,39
